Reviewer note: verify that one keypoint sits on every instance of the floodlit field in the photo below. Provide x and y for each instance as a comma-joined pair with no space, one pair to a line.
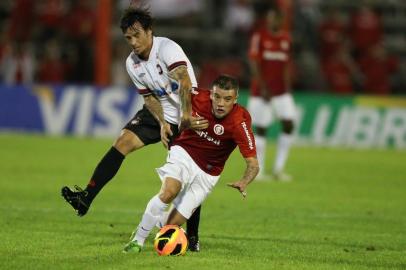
345,209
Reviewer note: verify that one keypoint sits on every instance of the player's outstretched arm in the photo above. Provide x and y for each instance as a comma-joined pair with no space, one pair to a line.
155,107
249,175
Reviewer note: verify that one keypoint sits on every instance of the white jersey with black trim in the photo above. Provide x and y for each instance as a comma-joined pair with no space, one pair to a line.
151,76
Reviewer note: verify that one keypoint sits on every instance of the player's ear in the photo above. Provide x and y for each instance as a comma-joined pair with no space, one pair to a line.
236,100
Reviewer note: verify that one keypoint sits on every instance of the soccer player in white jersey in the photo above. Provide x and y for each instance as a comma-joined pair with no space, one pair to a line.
164,76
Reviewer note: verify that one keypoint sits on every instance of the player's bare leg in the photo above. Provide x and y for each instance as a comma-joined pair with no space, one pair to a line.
282,150
107,168
261,142
153,212
176,218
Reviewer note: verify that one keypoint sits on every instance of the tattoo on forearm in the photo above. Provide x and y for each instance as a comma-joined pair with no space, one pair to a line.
250,173
155,107
181,75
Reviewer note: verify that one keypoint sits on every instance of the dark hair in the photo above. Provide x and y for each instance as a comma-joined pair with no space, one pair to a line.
132,15
226,82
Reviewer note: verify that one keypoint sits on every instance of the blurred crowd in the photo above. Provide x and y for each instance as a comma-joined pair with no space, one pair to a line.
338,46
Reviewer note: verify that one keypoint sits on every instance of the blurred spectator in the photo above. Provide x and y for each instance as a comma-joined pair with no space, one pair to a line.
331,32
80,29
50,17
20,21
365,29
239,16
307,17
173,8
52,68
119,76
238,19
214,67
377,67
17,64
340,70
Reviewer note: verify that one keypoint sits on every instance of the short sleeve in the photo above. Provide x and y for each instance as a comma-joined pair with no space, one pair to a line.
244,137
141,88
173,55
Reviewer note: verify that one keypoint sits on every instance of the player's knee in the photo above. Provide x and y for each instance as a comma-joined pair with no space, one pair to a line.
287,126
167,195
126,143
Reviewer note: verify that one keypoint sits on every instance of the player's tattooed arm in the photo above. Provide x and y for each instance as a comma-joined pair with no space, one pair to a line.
251,171
181,75
155,107
249,175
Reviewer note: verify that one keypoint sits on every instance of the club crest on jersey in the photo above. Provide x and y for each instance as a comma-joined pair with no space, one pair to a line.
218,129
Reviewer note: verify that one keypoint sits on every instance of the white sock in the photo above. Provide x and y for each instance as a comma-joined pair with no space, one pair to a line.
153,212
260,142
282,151
164,218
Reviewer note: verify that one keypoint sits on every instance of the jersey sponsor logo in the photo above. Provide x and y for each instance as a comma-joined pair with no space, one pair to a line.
250,143
205,134
278,56
218,129
160,92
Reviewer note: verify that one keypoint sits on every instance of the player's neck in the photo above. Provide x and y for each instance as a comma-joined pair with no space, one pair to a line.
145,55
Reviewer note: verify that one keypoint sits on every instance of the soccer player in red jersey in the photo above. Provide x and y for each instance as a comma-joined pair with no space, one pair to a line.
269,55
196,158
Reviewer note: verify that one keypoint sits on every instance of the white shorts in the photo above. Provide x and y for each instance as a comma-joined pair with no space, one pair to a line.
196,184
262,112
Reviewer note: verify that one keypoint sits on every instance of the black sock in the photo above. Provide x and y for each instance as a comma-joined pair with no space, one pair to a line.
192,228
104,172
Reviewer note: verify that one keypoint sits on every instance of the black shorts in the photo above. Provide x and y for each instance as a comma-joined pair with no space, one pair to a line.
147,128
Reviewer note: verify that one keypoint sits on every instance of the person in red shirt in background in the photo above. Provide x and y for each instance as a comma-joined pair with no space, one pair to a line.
52,68
332,30
365,29
377,66
269,57
197,158
80,30
340,70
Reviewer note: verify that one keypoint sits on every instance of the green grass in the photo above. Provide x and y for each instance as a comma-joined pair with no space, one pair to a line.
346,209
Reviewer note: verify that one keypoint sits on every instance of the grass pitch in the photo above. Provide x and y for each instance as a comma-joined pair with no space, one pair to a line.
345,209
